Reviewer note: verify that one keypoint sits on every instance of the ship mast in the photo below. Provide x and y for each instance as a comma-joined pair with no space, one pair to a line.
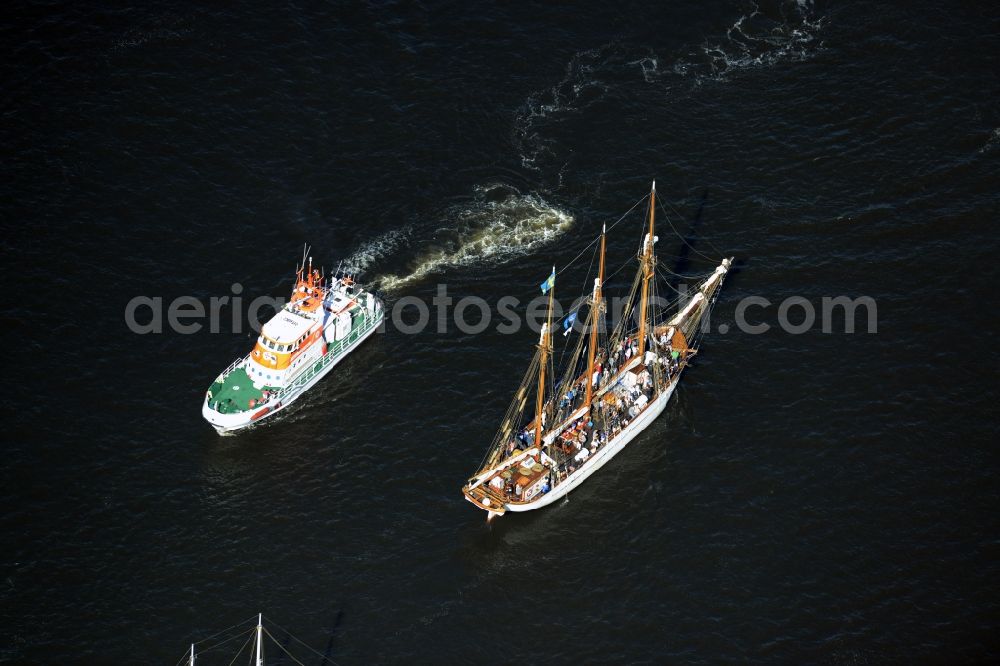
260,637
648,263
544,346
595,310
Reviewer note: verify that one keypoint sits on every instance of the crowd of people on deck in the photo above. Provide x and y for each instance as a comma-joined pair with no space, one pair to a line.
576,444
612,413
670,358
622,354
571,399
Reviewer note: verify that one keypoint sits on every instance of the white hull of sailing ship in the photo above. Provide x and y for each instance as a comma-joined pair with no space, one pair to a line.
597,460
323,322
627,384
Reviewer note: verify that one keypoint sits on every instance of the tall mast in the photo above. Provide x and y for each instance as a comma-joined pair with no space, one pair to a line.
191,660
544,345
595,312
260,637
648,262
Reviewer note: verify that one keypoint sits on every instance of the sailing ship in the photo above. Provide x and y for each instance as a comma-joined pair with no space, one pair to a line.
613,387
324,321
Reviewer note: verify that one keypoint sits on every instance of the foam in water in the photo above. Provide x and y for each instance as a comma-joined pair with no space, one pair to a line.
768,32
649,67
371,252
991,142
762,37
162,28
498,225
576,90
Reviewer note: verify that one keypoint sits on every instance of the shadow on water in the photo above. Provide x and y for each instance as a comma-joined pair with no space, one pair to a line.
287,649
328,651
688,241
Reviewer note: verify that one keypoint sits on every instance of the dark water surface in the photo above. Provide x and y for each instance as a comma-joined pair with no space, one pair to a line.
822,498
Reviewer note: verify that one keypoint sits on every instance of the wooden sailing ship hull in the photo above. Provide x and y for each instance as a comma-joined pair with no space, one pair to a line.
643,420
496,503
630,396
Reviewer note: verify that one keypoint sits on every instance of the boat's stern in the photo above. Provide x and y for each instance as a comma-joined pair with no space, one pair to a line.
481,497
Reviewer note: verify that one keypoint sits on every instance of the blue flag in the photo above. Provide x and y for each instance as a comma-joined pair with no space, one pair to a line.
551,282
568,323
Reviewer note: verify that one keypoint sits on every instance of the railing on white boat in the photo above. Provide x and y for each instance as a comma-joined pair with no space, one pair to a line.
232,366
368,321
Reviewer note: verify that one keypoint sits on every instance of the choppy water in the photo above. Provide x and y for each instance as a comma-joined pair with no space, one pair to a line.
820,497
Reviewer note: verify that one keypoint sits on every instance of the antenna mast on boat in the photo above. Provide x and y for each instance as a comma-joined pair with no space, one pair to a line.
191,660
260,640
595,312
648,263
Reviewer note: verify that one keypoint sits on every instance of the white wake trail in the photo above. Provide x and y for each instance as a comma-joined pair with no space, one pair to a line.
498,224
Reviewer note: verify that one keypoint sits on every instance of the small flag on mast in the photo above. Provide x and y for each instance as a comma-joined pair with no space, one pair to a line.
550,282
568,323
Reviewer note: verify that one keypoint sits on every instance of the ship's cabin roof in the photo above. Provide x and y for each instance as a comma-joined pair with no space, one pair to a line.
286,327
339,301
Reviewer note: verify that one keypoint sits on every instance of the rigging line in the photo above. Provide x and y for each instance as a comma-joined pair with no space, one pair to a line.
618,270
219,633
228,640
514,411
242,648
645,230
667,279
683,240
620,328
663,309
672,287
587,274
628,211
583,290
220,643
599,238
706,238
680,275
568,373
283,649
573,260
305,645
